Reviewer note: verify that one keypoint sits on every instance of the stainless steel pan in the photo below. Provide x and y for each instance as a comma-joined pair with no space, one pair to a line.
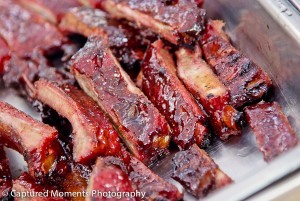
267,31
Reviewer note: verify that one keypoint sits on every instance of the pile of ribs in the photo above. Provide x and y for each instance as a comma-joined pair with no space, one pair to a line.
119,85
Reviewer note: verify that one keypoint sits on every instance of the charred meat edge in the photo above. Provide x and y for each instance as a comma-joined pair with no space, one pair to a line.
197,172
246,81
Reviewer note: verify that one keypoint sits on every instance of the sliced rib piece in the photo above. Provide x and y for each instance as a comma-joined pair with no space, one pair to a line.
143,129
162,86
146,181
155,187
4,55
271,128
127,42
202,82
178,21
93,134
246,81
109,178
197,172
52,10
24,31
5,175
27,186
36,141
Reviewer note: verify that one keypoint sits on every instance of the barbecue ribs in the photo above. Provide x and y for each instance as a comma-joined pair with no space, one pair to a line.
143,129
246,81
162,86
271,128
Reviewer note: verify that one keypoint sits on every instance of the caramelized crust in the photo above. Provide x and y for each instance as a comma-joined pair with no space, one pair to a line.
4,55
127,42
27,184
93,134
271,128
108,178
246,81
143,129
51,10
162,86
5,175
24,31
201,81
197,172
36,141
176,21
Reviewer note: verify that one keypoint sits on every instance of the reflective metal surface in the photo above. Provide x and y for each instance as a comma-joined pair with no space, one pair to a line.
269,34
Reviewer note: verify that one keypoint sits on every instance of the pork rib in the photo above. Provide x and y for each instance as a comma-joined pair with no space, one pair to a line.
143,129
246,81
24,31
127,42
178,21
36,141
145,180
53,11
93,134
5,175
162,86
202,82
109,178
271,128
196,171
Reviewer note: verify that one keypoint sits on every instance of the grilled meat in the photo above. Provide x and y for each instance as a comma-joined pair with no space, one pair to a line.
201,81
143,129
179,21
109,178
93,134
24,31
35,140
162,86
271,128
127,42
154,187
197,172
246,81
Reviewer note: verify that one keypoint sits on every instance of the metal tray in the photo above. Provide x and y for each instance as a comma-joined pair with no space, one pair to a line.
267,31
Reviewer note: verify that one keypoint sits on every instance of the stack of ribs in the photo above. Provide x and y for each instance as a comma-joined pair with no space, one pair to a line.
191,84
127,42
143,129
